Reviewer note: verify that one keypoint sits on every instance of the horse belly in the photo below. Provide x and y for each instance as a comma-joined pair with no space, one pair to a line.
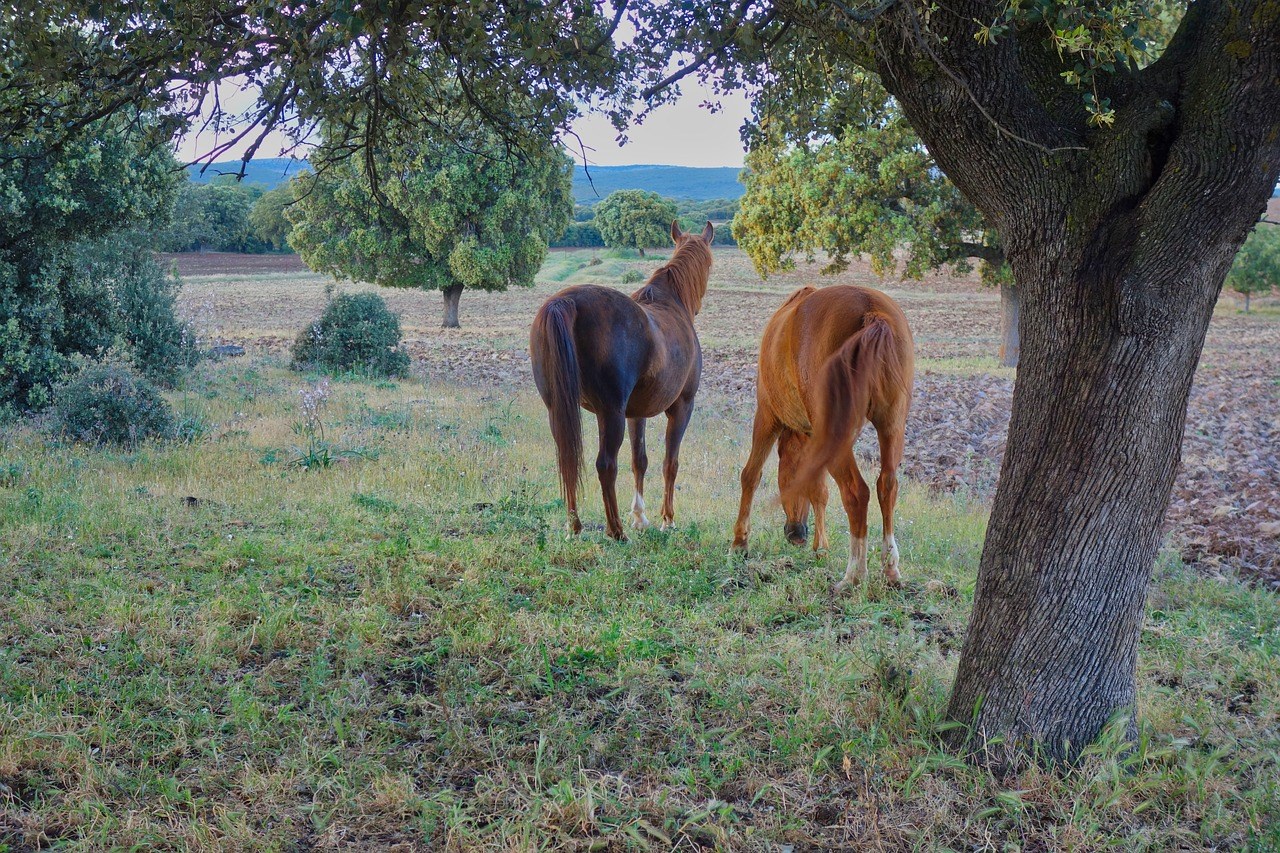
650,399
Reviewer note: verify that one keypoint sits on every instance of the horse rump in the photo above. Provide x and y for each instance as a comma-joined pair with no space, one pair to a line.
561,386
866,365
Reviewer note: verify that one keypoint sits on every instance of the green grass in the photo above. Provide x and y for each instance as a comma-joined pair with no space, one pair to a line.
207,648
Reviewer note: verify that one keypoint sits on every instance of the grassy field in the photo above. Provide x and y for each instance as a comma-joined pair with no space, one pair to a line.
207,646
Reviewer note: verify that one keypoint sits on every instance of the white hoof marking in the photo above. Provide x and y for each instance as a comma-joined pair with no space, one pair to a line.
889,554
639,521
857,568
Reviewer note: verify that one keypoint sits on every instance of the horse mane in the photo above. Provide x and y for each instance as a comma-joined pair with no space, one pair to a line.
684,276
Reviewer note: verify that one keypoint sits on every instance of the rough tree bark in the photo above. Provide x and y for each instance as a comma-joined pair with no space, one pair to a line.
1010,338
452,296
1119,239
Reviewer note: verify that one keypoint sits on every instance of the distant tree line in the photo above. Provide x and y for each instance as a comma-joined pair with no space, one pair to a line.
226,215
640,220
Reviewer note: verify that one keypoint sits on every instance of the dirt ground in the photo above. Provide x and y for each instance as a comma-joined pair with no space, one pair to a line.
1225,512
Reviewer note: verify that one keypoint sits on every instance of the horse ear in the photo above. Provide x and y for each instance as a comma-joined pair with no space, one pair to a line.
675,231
709,232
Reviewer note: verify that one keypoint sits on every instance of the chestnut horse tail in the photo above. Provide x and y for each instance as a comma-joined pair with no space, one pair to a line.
564,388
865,366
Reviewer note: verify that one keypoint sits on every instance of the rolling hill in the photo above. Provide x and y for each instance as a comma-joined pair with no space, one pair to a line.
680,182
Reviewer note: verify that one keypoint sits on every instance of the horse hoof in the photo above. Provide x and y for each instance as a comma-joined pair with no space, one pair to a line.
667,526
639,522
844,587
893,582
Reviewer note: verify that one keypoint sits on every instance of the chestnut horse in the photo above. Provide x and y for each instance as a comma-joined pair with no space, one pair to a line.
831,359
624,359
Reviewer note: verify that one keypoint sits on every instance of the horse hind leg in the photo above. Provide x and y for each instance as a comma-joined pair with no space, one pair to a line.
677,422
891,440
639,464
613,427
855,495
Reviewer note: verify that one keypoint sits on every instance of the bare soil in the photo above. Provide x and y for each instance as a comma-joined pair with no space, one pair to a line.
1225,512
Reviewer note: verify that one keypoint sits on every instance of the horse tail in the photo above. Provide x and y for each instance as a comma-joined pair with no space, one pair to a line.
865,366
564,388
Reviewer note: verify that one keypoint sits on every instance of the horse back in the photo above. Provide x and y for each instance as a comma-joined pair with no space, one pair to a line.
809,327
630,355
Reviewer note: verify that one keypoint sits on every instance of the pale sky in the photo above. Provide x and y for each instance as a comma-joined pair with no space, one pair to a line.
680,134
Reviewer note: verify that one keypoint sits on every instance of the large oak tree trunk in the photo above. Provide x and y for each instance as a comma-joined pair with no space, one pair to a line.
1010,339
1119,240
1094,442
452,296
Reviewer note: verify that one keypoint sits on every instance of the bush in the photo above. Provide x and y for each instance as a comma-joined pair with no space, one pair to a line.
110,403
139,299
632,277
356,332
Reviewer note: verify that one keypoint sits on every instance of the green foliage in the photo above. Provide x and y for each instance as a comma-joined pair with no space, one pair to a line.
716,210
855,180
74,277
214,216
635,219
110,403
1256,269
442,216
1092,39
632,276
580,235
356,332
267,219
121,294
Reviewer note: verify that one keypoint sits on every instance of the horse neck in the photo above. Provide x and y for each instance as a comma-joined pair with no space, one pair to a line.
681,279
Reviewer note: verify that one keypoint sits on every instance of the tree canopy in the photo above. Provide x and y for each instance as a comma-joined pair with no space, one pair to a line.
635,219
442,217
267,217
858,181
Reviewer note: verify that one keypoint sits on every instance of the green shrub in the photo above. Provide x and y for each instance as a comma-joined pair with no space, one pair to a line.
110,403
72,219
140,301
632,277
356,332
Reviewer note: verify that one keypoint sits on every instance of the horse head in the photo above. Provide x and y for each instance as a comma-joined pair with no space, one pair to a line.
708,233
794,504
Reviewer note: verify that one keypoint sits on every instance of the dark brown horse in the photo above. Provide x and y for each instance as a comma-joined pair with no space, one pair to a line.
624,359
831,360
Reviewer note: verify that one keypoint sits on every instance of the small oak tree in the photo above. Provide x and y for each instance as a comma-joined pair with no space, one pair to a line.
635,219
446,214
1256,268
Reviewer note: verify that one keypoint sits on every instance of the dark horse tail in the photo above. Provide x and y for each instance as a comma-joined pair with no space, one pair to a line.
866,365
563,387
